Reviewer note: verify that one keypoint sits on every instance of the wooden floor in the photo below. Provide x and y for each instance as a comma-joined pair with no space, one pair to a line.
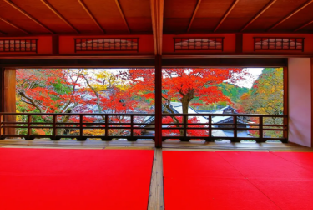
156,195
149,144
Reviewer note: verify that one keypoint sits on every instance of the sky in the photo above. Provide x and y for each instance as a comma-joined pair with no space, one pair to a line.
249,80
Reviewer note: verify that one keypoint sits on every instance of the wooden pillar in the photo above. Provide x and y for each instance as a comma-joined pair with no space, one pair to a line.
10,97
311,80
158,101
286,102
1,89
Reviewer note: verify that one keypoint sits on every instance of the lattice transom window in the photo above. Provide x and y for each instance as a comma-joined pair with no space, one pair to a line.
199,43
18,45
91,44
279,44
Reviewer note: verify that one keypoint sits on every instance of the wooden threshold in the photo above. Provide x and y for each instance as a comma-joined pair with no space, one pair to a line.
149,145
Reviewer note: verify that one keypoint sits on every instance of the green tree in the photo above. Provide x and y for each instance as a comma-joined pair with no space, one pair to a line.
266,97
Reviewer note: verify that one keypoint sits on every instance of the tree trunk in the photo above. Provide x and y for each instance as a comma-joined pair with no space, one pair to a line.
185,103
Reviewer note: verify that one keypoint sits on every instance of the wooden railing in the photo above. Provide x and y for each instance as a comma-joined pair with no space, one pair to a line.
182,129
57,124
258,128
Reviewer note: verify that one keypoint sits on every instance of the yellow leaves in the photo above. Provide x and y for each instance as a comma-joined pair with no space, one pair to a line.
94,132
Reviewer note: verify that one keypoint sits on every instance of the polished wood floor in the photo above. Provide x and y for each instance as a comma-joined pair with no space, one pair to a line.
149,144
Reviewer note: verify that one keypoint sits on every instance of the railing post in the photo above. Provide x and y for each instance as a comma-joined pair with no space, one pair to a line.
210,127
54,129
285,129
185,118
106,128
261,128
235,128
132,127
29,119
1,127
81,128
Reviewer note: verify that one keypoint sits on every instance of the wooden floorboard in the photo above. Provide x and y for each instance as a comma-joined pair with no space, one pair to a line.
149,144
156,195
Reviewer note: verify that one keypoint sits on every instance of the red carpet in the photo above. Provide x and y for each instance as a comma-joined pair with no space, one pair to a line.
238,180
58,179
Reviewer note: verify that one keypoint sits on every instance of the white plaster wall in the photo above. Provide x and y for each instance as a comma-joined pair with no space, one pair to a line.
299,101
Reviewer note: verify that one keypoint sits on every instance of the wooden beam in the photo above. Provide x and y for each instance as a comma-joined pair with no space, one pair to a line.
27,15
122,14
77,63
157,15
14,26
292,14
45,2
259,14
303,26
232,6
226,62
193,15
81,2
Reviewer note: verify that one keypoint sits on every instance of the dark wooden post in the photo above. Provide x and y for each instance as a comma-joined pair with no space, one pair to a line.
261,128
132,127
235,128
158,102
1,129
210,128
1,89
311,86
81,128
1,100
106,128
29,130
185,118
54,129
286,109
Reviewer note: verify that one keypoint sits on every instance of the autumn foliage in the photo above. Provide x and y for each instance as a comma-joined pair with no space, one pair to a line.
119,92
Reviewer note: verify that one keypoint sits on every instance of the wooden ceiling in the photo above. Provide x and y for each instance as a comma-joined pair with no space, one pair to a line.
35,17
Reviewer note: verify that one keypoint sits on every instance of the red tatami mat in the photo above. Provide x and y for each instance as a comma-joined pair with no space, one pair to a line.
57,179
262,180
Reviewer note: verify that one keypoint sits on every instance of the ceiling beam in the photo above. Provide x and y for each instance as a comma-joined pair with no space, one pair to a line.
91,15
193,15
122,14
232,6
259,14
157,15
292,14
27,15
14,26
45,2
303,26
